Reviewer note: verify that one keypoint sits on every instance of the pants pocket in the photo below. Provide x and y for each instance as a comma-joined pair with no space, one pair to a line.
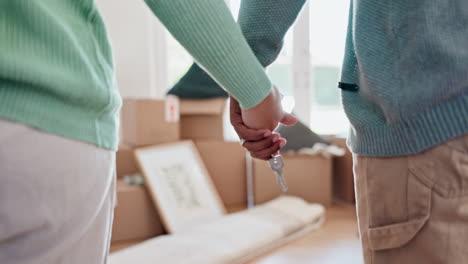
399,202
447,166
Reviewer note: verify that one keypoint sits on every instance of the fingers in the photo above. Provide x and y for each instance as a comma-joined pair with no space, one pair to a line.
288,119
266,154
261,144
251,134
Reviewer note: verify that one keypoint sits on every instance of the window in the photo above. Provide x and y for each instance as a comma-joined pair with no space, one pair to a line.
178,60
327,30
328,23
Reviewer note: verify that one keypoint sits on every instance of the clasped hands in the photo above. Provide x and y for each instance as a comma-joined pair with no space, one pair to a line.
256,125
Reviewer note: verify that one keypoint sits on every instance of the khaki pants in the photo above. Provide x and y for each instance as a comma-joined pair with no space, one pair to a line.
414,209
56,198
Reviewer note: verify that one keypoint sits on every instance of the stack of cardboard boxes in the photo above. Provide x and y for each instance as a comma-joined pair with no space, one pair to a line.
343,179
144,122
150,122
307,176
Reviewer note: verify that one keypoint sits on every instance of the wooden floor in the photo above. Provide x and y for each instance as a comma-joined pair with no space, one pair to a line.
335,243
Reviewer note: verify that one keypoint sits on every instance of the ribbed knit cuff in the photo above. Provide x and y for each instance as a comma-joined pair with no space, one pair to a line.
208,31
426,130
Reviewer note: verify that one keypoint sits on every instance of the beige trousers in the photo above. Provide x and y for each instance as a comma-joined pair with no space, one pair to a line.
56,198
414,209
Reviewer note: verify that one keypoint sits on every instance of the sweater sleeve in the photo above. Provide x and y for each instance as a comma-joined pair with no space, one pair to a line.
208,31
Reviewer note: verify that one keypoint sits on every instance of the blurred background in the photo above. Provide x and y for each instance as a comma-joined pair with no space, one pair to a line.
150,61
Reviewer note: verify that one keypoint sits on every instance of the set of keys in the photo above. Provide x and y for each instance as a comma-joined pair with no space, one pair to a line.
276,164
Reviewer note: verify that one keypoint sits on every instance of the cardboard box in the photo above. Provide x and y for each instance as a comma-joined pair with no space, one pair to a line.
150,121
125,161
307,176
204,119
135,216
225,162
343,179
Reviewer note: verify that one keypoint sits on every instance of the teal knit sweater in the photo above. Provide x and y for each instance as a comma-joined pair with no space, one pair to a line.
264,24
404,80
405,72
405,75
57,72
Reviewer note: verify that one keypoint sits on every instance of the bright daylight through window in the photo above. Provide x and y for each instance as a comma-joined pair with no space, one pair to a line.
327,29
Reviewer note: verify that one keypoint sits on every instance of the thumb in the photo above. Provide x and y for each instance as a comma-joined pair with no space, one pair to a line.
288,119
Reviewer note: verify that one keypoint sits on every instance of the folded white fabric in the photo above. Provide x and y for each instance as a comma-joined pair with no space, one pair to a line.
230,239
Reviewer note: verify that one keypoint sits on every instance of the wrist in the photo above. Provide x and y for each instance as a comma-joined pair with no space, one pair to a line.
266,114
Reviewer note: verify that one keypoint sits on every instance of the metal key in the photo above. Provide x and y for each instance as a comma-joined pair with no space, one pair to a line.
277,164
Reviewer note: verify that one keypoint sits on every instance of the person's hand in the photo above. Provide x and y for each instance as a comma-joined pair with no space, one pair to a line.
268,113
261,142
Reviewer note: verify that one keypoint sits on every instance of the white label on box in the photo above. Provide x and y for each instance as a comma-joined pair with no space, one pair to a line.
172,109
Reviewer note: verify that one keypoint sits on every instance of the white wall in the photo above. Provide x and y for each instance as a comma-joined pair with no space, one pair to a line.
138,42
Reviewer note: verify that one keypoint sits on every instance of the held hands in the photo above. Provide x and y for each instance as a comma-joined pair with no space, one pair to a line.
255,125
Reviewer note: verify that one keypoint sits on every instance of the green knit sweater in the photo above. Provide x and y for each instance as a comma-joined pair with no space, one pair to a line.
404,81
57,72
